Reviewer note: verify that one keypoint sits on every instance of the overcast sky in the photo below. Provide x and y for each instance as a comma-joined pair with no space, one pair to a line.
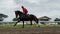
50,8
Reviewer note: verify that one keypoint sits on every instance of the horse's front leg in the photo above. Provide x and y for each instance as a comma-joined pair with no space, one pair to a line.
16,22
31,22
23,24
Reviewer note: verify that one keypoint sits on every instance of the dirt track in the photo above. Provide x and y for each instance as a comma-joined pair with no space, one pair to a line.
31,31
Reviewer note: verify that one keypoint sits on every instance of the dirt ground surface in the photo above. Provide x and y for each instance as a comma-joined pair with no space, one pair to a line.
31,31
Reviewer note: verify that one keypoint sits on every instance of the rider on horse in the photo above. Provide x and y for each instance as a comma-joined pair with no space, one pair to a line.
25,11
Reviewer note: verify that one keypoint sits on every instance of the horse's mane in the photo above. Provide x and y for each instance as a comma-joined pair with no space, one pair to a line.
19,11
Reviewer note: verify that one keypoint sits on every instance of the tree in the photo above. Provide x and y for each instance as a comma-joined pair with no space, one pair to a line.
44,18
15,19
2,16
57,19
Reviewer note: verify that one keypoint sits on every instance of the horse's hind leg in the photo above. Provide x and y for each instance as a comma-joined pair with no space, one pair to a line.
16,22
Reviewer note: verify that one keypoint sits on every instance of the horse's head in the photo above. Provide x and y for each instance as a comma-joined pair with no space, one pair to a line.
18,13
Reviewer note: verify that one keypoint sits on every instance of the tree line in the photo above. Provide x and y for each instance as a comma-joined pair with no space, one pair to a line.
43,18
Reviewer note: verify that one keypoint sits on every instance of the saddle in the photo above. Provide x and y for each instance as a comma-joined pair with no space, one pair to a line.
28,15
25,16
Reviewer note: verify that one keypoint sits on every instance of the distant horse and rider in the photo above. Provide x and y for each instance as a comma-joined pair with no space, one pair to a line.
23,16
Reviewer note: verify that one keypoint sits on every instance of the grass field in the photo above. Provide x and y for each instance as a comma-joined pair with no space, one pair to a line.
28,29
28,26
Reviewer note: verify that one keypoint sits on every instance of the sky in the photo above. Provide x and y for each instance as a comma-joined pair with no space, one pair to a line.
39,8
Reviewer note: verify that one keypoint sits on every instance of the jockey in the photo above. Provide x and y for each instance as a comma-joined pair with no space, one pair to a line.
24,10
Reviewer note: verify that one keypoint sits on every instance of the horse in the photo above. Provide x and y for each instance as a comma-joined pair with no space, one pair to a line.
25,17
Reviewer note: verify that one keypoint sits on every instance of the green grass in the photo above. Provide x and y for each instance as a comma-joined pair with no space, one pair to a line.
27,26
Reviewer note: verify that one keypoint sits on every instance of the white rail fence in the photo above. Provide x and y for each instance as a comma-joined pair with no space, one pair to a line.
28,22
49,22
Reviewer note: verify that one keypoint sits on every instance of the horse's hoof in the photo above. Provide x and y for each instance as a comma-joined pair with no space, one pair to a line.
38,26
14,25
22,27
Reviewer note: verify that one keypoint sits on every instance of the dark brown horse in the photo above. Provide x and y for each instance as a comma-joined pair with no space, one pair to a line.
25,17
